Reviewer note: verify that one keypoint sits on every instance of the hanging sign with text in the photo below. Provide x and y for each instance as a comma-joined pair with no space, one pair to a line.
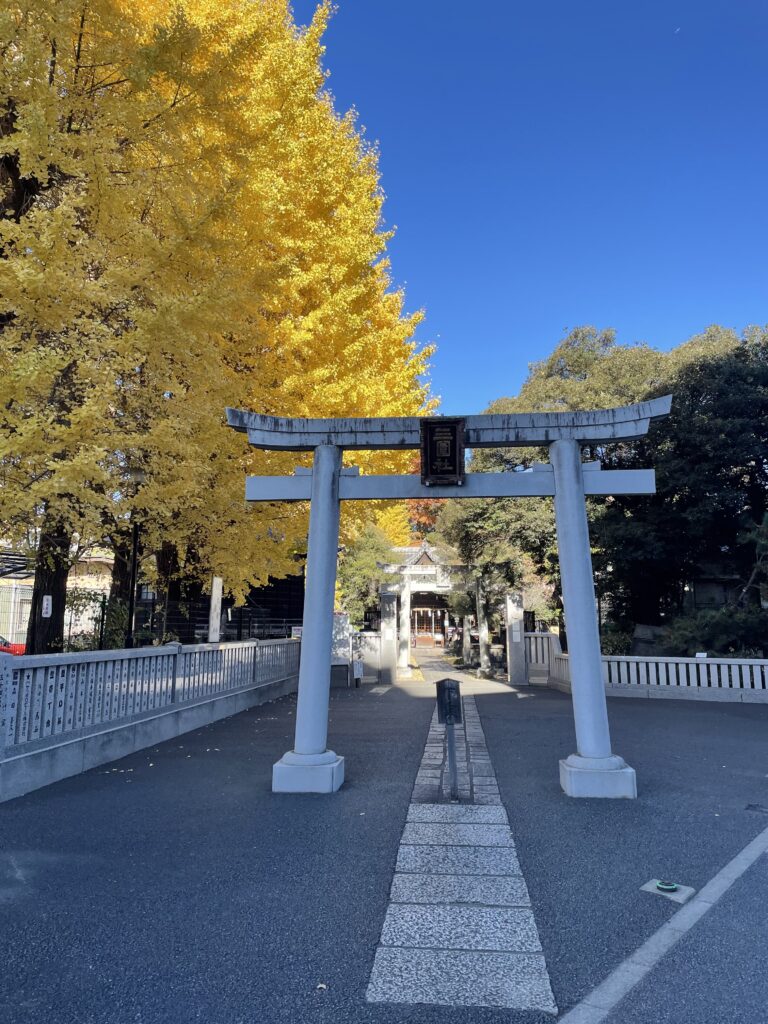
442,451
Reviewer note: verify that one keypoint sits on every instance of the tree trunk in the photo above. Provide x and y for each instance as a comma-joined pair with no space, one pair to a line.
562,636
167,570
121,569
117,605
45,632
466,641
482,632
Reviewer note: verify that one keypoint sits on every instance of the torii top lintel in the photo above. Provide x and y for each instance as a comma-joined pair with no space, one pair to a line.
514,430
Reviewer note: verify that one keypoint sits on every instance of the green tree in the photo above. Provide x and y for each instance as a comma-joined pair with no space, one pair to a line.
361,572
721,632
588,369
711,461
478,530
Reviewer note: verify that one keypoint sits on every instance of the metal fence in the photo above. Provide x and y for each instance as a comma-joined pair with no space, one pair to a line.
15,605
54,695
88,626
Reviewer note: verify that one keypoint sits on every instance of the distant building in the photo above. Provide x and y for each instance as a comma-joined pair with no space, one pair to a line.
87,591
426,581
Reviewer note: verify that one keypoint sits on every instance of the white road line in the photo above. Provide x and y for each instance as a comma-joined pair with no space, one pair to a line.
602,1000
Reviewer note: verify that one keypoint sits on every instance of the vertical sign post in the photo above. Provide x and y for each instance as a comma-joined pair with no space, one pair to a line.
214,613
449,714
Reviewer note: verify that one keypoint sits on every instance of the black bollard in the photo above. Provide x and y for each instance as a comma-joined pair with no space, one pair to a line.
449,714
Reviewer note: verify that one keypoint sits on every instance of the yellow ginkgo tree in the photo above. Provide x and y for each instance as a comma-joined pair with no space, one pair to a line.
185,224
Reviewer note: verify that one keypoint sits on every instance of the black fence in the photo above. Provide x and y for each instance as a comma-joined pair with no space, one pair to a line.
91,623
187,622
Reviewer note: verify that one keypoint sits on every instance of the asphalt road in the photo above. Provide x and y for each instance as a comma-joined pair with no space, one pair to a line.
173,887
717,973
699,765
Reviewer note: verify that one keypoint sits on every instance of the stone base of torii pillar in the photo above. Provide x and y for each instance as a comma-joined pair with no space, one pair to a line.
598,776
308,773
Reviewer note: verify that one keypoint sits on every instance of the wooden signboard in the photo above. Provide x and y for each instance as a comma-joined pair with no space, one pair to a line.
442,450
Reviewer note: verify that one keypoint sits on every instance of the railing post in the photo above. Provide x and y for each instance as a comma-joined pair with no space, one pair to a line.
176,657
6,681
255,662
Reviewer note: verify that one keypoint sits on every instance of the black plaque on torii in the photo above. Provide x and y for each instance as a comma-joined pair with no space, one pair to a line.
442,450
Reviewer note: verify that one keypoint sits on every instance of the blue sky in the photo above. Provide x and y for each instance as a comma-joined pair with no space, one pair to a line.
550,164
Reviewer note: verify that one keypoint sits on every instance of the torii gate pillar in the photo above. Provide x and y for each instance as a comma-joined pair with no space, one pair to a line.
404,632
594,770
310,767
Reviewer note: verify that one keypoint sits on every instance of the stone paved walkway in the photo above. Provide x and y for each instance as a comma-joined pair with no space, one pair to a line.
459,929
477,781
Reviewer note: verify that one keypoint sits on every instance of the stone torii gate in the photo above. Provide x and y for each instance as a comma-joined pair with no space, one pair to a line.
594,770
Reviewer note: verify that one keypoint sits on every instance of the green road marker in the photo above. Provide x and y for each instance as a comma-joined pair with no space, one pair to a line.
666,886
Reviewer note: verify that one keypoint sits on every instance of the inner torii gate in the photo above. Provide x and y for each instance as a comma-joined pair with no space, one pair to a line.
594,770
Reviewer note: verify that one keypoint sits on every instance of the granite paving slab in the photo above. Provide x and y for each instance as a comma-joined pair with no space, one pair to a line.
461,978
459,927
456,834
459,860
490,891
458,813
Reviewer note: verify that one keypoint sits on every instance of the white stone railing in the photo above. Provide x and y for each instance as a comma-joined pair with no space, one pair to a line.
56,694
538,648
65,713
213,668
736,679
53,695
